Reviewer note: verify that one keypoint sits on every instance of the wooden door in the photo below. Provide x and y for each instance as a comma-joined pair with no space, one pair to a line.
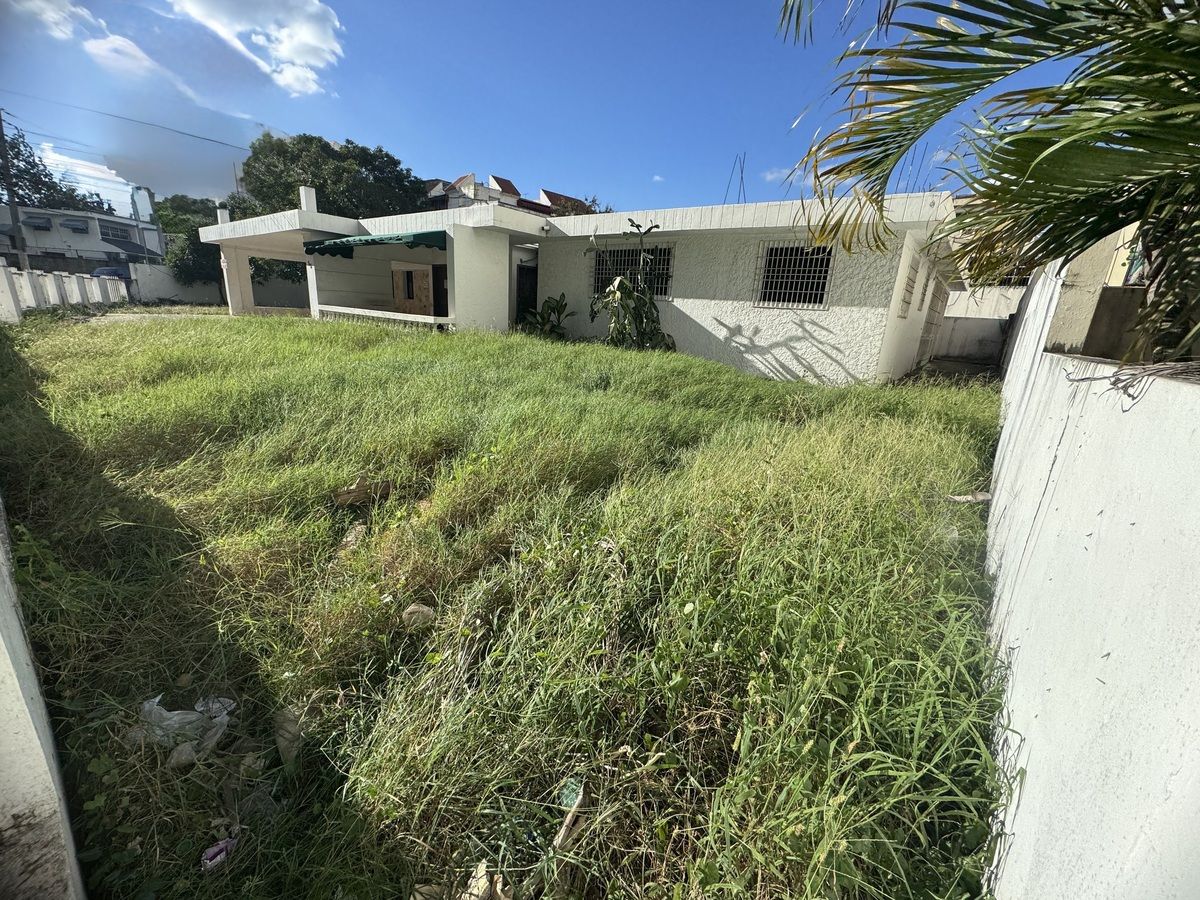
413,291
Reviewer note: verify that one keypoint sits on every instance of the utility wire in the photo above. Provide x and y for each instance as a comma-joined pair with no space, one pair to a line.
101,112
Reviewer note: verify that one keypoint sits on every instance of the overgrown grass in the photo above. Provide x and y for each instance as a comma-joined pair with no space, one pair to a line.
733,623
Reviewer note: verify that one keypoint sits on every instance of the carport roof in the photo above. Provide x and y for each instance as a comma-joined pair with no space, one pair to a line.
345,246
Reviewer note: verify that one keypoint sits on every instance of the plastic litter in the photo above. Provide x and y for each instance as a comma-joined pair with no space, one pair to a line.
217,854
287,736
973,497
204,724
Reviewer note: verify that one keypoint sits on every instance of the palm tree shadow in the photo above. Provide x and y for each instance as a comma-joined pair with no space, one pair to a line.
811,354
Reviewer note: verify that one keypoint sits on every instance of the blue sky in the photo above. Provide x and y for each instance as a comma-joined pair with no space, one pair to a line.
641,103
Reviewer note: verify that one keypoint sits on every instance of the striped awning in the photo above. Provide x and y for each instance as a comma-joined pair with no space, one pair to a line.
344,247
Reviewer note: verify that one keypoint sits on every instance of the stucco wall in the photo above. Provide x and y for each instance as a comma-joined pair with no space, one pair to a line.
971,338
1093,538
901,345
712,314
984,302
37,853
154,283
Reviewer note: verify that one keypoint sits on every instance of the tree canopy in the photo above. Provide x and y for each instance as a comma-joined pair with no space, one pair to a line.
351,179
1053,167
35,185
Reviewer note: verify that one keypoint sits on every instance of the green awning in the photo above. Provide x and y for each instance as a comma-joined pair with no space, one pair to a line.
345,246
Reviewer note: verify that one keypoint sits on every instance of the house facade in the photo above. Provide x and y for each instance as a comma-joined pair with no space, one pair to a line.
60,240
742,284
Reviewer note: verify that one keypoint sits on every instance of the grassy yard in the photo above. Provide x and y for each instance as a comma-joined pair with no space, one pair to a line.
626,625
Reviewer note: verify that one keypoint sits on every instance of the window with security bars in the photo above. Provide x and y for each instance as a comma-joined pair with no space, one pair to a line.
613,262
793,275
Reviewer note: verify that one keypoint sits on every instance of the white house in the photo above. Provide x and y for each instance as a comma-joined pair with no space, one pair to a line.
738,283
62,240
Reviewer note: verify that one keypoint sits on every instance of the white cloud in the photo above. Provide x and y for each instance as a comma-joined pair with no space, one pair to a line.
293,39
777,175
60,18
88,176
658,179
122,56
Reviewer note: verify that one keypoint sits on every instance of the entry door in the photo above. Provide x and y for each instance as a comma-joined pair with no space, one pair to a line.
412,289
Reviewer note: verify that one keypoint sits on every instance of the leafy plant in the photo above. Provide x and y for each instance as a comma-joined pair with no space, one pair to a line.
548,321
633,320
1054,166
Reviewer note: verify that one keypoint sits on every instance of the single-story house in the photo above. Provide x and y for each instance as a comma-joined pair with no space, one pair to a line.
738,283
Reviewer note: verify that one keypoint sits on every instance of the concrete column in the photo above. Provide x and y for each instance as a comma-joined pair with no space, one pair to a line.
55,288
77,289
310,273
239,289
308,199
479,278
10,304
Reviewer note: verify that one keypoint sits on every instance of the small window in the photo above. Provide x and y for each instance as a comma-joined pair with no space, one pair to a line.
792,275
611,263
119,232
37,223
78,226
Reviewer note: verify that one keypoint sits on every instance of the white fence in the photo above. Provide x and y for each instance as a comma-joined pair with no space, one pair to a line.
1093,540
21,291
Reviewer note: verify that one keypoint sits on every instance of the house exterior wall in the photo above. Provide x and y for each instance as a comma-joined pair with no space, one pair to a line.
901,344
1093,537
712,314
971,338
480,278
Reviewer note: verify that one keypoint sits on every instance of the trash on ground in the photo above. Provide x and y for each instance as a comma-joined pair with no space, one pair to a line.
217,854
182,756
287,735
204,724
973,497
362,492
417,617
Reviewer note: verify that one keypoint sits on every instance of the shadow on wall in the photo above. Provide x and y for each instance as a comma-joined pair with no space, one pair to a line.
809,352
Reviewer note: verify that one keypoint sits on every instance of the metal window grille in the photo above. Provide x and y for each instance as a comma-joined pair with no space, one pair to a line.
910,285
792,275
108,230
612,262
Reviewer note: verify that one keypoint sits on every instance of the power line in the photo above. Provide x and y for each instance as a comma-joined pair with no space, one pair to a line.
101,112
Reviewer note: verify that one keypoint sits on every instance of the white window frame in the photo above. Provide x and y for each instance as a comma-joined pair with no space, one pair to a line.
807,287
126,233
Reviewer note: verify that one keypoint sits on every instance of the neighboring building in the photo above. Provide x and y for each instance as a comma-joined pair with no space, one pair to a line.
466,191
59,240
740,283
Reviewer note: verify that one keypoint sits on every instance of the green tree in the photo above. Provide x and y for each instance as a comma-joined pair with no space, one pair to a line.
1053,167
35,185
191,261
351,179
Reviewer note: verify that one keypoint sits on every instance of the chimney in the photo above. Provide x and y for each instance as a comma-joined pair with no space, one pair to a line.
308,199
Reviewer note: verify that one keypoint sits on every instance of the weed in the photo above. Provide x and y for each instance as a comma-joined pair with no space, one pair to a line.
727,630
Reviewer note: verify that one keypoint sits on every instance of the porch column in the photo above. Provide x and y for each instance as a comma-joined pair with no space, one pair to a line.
479,278
239,289
310,273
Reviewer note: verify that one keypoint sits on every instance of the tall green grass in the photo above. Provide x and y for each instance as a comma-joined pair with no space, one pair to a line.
733,623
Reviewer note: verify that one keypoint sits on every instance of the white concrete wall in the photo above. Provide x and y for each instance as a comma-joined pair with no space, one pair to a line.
971,338
1094,541
712,314
155,284
901,346
25,290
480,279
37,853
984,302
